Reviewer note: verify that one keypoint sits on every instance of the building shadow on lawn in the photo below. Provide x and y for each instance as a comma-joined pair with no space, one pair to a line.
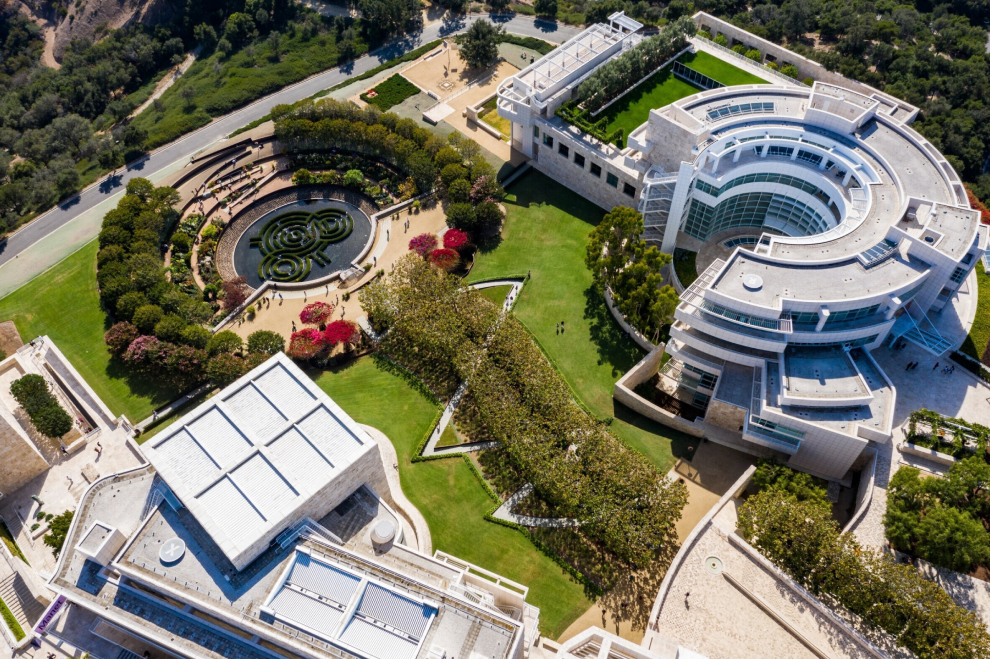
613,346
682,445
141,385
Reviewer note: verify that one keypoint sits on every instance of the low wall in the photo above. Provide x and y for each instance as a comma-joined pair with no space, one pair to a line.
641,372
864,495
633,333
930,454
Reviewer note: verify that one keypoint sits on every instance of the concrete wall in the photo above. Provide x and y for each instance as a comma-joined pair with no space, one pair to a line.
644,370
725,415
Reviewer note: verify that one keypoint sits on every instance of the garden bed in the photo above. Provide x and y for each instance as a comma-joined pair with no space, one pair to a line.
390,92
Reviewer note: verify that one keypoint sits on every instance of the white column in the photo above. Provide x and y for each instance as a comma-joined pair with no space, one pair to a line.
823,315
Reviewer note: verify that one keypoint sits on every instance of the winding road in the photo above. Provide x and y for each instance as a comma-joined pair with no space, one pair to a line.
189,144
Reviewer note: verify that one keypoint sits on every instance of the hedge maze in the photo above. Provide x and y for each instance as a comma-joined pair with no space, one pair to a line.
291,242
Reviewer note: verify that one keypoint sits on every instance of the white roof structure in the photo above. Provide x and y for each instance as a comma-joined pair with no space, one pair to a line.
247,462
332,603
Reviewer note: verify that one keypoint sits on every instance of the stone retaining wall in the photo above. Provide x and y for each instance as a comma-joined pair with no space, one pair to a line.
624,393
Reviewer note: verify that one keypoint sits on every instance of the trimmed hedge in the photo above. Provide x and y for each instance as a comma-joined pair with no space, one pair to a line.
11,622
31,392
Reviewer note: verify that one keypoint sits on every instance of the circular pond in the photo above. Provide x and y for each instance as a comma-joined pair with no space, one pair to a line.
301,241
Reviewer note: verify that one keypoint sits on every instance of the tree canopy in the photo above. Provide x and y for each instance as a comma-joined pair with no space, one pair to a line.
479,46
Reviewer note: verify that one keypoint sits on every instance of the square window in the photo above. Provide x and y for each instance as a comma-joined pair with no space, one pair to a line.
547,140
579,160
536,132
596,170
612,180
563,150
628,190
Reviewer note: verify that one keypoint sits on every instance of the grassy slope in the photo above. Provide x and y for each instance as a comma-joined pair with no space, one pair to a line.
979,334
718,69
496,294
64,304
663,88
242,79
449,495
546,232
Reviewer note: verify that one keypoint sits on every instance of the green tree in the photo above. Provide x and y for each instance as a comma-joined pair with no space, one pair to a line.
145,318
952,538
479,45
265,342
224,368
205,36
58,529
546,8
224,341
239,28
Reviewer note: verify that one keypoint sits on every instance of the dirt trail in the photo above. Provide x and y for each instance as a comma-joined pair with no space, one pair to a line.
167,81
47,33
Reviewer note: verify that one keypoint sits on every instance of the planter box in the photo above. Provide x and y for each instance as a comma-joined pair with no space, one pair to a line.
931,454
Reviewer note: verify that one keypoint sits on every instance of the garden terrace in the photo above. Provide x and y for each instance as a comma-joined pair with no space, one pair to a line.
946,434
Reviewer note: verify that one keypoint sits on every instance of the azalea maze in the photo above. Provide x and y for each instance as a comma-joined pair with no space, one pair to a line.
290,243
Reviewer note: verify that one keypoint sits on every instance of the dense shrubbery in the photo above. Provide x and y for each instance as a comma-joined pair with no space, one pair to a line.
620,260
389,92
46,414
800,537
572,114
447,334
613,78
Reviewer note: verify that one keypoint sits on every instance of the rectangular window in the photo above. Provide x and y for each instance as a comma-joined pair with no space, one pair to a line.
536,132
958,275
579,160
563,150
612,180
628,190
547,140
596,170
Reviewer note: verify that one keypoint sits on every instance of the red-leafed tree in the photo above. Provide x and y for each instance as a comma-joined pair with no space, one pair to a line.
316,314
445,259
341,331
456,239
305,344
423,244
235,292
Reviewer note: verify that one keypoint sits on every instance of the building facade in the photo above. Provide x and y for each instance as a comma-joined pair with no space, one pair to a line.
840,228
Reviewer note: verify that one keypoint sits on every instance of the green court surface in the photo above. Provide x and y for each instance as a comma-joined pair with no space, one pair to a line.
663,88
449,495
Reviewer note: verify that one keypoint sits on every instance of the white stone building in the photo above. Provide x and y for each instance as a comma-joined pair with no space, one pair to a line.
839,226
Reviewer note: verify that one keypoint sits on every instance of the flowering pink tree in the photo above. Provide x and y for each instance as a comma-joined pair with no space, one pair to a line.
341,331
119,337
143,352
305,344
486,187
316,314
423,244
445,259
455,239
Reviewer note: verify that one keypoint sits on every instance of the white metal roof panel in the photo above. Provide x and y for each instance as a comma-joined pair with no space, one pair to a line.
298,459
263,486
285,391
256,411
231,511
187,460
323,579
311,612
219,437
377,642
396,611
330,436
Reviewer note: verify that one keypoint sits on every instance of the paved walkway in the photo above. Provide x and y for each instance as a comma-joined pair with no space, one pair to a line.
511,297
167,82
448,413
504,512
166,410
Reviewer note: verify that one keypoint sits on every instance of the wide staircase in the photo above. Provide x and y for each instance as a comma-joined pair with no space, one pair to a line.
18,598
916,327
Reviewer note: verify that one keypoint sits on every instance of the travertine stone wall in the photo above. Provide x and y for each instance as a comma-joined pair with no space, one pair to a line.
644,370
725,415
20,461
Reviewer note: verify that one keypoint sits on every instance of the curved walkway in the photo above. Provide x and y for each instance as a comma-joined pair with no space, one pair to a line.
504,513
417,523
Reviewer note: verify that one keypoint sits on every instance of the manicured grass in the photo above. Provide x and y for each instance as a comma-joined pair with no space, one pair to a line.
64,303
631,110
496,294
8,539
663,88
390,91
979,334
449,495
245,75
545,233
11,622
449,436
686,266
489,114
718,69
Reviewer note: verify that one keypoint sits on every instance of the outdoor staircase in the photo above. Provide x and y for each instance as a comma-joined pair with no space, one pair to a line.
18,598
915,326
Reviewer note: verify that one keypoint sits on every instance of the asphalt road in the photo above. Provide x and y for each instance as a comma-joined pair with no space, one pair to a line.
219,128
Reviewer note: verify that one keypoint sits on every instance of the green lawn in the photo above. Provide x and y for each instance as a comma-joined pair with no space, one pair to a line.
64,303
545,232
449,495
718,69
496,294
663,88
979,334
390,91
